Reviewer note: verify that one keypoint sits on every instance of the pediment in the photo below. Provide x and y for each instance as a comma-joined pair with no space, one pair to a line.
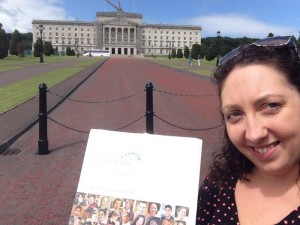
119,21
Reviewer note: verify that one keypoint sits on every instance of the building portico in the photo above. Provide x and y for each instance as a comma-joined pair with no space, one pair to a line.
120,32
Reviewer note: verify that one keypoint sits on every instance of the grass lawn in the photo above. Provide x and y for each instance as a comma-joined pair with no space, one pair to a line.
16,93
15,62
19,92
206,68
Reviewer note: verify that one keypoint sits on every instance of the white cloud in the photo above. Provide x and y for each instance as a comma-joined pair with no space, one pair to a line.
18,14
238,25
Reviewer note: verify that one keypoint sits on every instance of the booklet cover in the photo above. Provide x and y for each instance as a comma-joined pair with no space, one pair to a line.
138,179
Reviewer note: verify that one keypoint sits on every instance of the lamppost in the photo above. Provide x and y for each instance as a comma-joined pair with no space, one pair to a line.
218,47
41,29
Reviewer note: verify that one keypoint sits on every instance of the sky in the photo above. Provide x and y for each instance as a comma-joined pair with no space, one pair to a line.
233,18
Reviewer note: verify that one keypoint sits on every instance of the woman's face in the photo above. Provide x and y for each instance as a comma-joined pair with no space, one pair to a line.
128,204
262,116
182,213
104,202
140,221
153,209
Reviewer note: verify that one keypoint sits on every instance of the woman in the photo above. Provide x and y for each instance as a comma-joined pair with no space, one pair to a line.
255,179
139,220
181,213
128,208
153,209
104,203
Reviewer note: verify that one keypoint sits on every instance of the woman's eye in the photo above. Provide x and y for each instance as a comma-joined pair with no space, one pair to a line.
232,116
271,107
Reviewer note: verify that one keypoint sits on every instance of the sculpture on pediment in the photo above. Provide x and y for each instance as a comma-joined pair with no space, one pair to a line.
117,7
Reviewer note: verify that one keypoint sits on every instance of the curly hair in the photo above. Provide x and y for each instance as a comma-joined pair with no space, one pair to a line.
228,160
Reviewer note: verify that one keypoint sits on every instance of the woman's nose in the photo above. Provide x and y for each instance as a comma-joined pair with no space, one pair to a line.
255,130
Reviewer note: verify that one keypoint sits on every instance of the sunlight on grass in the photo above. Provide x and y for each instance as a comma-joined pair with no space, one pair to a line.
206,68
16,93
14,62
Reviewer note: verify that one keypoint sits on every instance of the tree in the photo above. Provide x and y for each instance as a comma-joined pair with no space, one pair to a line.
70,52
173,54
48,48
186,52
4,44
21,48
196,50
38,48
15,40
179,53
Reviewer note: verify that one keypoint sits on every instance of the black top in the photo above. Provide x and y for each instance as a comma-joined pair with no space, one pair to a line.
217,205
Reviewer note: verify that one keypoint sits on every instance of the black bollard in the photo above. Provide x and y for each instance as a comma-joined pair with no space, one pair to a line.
43,141
149,108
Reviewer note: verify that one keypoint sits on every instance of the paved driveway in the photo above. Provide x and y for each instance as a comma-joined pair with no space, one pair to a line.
38,189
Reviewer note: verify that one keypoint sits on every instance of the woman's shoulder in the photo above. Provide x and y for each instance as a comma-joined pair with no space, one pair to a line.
216,196
215,186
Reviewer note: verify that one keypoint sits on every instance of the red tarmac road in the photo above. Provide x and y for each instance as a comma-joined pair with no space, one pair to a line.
38,189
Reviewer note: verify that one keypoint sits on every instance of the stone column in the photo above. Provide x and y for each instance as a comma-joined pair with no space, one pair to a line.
139,37
109,35
98,43
128,36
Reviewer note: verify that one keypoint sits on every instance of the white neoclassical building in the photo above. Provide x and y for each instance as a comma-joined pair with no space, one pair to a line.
120,32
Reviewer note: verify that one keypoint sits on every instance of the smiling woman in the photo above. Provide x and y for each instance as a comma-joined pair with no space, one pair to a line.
258,167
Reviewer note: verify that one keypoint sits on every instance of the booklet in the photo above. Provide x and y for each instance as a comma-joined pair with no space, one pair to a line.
138,179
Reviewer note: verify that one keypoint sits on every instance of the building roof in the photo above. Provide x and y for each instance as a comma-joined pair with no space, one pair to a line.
170,26
63,22
115,14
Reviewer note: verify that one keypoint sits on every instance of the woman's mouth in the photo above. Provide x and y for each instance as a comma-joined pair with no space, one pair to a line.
263,150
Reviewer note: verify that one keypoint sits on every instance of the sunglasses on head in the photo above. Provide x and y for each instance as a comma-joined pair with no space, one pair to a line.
278,41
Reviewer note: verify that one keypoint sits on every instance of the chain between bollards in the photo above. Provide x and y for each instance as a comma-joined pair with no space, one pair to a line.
149,108
43,140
